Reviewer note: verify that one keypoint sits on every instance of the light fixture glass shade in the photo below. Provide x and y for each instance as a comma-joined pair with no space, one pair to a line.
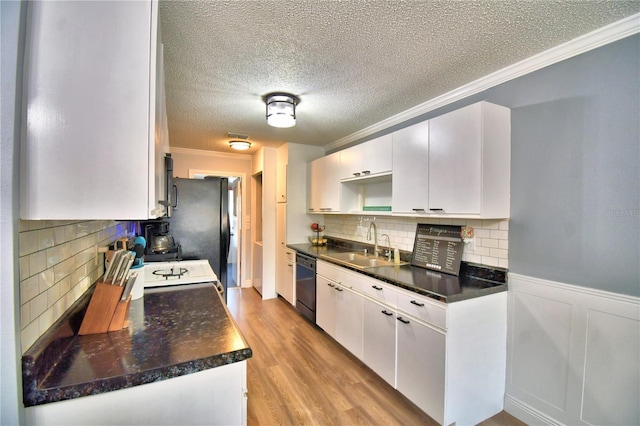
240,145
281,109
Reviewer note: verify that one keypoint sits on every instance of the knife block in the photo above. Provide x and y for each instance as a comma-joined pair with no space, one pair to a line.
106,312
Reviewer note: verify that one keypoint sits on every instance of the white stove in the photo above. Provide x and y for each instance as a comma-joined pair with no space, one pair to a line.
160,274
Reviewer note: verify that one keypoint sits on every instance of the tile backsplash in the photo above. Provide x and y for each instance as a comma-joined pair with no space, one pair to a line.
59,260
489,247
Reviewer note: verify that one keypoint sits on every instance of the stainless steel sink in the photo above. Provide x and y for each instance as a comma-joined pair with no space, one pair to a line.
359,260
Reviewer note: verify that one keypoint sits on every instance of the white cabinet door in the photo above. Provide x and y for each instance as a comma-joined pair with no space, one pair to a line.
469,161
289,291
284,282
410,185
324,184
326,305
379,339
217,396
281,183
349,320
90,145
421,366
369,158
455,158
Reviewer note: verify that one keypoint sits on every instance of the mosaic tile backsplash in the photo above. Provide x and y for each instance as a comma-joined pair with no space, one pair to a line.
490,245
59,260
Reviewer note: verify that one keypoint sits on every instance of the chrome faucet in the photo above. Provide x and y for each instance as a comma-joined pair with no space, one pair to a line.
375,237
388,252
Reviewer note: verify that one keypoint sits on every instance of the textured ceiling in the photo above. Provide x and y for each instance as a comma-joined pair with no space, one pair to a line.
352,63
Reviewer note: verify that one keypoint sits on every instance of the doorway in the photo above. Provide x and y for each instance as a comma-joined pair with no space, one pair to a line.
233,264
234,275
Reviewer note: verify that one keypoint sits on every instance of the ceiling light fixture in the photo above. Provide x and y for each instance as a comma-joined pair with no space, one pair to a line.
281,109
240,145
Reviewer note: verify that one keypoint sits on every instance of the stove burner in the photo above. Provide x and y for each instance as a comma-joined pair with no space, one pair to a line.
170,273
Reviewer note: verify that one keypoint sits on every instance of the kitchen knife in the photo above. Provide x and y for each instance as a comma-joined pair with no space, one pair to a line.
109,266
127,266
112,265
119,267
129,286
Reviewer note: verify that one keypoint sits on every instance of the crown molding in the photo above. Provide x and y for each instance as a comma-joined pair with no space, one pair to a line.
206,153
600,37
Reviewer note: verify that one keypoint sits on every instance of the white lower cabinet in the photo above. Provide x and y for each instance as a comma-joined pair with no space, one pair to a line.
421,365
326,305
448,359
217,396
339,313
349,320
289,288
379,339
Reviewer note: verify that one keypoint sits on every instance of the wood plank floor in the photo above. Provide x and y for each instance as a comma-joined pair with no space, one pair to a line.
298,375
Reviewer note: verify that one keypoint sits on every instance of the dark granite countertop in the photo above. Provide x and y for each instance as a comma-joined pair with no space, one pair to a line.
174,331
473,280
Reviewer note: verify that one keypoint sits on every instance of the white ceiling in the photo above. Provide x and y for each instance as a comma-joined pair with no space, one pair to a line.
352,63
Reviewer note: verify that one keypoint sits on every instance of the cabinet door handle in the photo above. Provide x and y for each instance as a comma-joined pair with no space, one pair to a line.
387,313
376,287
175,196
418,210
366,172
356,174
437,210
402,320
330,285
417,303
339,289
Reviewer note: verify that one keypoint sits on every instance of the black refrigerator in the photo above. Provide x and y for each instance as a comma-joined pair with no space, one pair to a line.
199,222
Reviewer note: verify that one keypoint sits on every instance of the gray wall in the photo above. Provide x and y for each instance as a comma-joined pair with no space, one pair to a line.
575,169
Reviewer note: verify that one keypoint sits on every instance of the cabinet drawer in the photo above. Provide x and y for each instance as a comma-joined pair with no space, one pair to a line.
424,309
381,291
347,278
328,270
290,255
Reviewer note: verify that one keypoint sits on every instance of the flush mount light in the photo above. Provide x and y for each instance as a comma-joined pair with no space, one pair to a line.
281,109
240,145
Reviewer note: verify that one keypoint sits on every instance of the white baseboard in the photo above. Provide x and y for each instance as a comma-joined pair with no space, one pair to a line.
527,414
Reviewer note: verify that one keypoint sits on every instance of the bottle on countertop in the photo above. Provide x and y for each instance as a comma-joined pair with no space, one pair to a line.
396,255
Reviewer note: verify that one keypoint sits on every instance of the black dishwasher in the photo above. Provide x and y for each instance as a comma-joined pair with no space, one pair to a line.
306,286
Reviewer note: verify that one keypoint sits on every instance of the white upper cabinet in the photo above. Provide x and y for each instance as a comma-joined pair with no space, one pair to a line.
96,131
410,185
454,165
370,158
323,190
469,161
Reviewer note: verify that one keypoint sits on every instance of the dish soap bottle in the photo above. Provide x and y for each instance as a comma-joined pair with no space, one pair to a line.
396,255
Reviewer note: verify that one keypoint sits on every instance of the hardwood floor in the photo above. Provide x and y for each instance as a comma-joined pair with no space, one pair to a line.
300,375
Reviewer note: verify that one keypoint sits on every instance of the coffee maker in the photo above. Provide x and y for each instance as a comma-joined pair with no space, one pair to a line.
160,244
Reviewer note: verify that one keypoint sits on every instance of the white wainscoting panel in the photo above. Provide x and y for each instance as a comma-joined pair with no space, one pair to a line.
612,368
573,354
540,356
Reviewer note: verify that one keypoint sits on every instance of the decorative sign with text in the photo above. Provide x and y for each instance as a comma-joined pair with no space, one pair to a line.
438,247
